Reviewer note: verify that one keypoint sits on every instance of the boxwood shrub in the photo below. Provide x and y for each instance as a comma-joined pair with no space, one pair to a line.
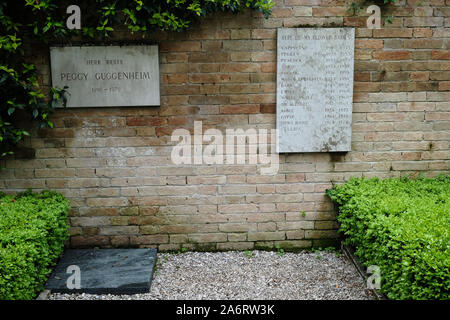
401,225
33,229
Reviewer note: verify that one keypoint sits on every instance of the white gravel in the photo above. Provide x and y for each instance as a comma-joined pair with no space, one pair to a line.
248,275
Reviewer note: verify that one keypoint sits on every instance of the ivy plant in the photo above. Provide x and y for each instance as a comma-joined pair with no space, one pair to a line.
24,22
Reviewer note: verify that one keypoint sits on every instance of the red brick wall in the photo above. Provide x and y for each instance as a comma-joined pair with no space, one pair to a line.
114,163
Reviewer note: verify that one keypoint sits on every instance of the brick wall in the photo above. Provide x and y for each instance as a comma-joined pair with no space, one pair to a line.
114,163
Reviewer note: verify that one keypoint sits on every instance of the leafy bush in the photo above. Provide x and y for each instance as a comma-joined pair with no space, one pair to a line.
33,229
402,226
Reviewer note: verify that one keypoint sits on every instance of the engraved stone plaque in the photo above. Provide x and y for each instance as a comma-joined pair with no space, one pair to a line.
106,76
314,89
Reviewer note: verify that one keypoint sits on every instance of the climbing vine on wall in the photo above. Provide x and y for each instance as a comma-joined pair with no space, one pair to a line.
26,21
356,6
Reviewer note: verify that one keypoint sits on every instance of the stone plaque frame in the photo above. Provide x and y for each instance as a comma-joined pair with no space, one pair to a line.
314,89
107,76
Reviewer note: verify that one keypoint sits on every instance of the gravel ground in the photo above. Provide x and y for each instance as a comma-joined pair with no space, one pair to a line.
237,275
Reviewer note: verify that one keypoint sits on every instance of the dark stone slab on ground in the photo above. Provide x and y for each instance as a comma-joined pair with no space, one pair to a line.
103,271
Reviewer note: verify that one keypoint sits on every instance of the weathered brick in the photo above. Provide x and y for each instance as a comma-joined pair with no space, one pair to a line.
266,236
106,202
392,33
423,32
440,54
415,106
392,55
330,12
87,241
420,76
208,237
114,164
240,67
303,11
423,43
149,239
54,173
424,22
264,34
319,234
242,45
180,46
239,109
444,86
373,44
295,225
240,33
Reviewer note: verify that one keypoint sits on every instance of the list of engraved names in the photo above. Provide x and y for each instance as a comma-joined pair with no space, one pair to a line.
314,89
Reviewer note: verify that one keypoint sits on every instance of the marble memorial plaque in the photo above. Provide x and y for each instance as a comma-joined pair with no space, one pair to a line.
314,89
106,76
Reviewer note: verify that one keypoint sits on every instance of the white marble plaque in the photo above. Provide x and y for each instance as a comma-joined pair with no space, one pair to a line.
107,76
314,89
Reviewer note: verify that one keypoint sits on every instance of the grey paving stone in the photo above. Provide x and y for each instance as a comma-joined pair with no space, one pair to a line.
103,271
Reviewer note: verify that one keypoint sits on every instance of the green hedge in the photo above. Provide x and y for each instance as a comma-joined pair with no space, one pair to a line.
33,229
401,225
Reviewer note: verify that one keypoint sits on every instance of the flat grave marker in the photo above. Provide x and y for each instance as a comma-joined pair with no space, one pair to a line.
105,271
